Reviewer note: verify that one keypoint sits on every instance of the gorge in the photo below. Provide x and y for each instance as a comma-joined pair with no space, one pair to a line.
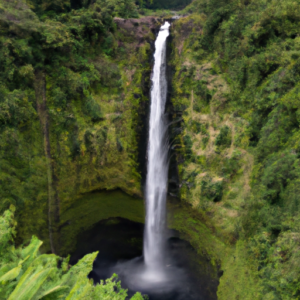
165,269
75,84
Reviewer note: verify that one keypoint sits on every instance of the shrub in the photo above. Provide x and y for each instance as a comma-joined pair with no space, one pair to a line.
224,137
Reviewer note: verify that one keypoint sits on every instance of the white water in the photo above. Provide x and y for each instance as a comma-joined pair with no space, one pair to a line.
157,274
156,183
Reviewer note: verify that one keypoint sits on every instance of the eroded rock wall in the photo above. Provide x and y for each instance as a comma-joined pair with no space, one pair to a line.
89,153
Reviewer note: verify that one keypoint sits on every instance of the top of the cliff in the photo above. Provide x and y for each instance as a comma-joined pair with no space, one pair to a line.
139,27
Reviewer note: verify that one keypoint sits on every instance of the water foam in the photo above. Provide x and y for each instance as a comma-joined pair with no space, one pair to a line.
157,175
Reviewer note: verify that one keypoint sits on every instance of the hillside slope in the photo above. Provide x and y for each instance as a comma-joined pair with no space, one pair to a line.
235,86
74,95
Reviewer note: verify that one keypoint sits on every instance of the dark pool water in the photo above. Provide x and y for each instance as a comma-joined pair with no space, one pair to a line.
120,241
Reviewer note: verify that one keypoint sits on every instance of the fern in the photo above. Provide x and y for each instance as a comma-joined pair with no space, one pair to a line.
32,276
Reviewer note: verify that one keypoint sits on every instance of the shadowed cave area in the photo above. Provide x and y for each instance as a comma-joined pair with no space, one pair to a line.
120,245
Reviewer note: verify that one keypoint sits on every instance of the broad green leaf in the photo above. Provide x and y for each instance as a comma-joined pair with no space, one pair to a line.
53,290
80,270
11,271
137,296
80,290
7,267
12,274
32,248
29,284
77,277
45,260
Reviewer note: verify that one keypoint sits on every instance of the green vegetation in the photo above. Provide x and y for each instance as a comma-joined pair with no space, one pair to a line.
192,227
224,137
74,86
236,69
166,4
73,83
26,274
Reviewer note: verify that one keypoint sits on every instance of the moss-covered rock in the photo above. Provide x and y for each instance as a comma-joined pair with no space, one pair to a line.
91,208
75,124
235,76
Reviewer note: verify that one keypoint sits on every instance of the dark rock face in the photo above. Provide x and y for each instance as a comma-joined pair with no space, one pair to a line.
142,31
174,128
139,29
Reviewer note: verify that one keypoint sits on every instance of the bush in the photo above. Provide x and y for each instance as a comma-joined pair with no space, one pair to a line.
212,191
224,137
26,274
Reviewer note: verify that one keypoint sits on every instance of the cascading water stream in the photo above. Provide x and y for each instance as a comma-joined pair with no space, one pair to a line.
156,183
167,269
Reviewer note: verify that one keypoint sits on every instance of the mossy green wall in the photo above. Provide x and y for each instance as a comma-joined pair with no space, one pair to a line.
91,208
235,86
214,164
94,132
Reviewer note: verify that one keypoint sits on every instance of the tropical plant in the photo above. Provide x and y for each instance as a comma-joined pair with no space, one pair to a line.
25,274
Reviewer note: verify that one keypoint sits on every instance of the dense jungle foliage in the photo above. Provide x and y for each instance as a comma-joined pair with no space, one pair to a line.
26,274
167,4
71,86
236,81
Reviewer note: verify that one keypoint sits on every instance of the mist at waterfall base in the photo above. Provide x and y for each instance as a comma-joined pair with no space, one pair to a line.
155,272
189,276
161,271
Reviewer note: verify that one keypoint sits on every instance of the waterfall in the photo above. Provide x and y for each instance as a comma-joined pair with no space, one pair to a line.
157,273
157,176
